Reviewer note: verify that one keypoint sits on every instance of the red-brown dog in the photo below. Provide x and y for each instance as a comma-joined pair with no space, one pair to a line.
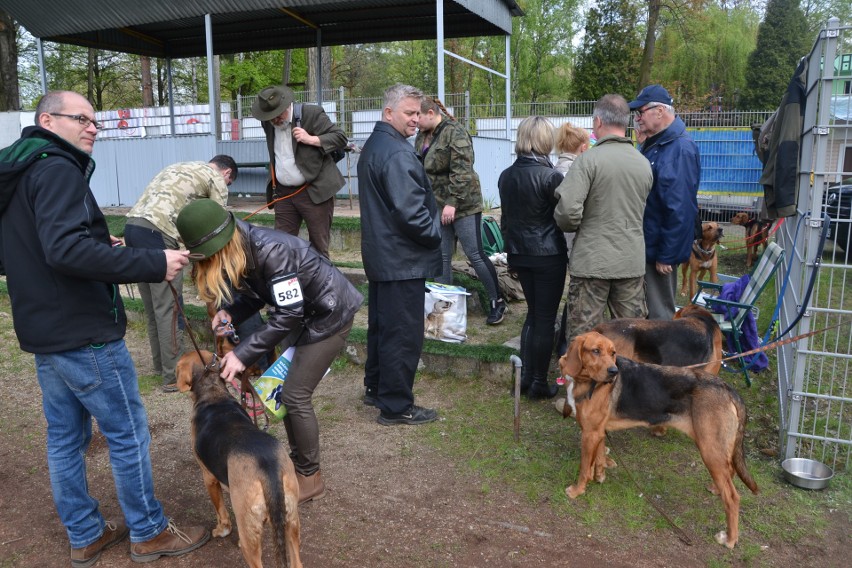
252,465
757,235
702,260
614,393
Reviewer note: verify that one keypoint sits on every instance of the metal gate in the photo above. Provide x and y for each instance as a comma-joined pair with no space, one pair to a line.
814,385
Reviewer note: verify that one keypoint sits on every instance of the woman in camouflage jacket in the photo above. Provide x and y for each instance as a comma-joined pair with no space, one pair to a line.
447,153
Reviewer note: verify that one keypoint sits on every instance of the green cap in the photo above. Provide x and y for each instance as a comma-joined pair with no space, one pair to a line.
205,228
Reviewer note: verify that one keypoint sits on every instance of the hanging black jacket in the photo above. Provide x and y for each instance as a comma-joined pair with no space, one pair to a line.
780,173
62,272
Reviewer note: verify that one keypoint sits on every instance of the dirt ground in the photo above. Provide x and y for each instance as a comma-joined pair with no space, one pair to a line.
393,499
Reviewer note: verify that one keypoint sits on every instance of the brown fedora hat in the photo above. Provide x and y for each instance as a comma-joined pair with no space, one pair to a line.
271,102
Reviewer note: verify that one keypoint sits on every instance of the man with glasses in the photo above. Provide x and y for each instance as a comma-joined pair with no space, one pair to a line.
672,208
151,224
63,274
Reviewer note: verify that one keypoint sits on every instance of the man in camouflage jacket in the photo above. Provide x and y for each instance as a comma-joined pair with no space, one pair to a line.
151,224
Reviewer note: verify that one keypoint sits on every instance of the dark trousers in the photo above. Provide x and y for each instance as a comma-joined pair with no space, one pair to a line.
290,212
394,342
307,369
543,280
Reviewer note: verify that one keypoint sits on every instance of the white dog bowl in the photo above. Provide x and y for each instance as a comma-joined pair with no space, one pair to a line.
806,473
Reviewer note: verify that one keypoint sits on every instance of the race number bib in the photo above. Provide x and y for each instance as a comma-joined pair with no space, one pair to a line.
286,291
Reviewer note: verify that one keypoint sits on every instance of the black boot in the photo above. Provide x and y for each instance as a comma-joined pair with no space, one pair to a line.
540,389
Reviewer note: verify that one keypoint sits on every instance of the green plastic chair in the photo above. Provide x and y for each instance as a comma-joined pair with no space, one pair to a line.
761,276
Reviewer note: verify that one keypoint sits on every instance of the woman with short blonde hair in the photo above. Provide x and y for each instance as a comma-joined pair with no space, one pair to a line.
535,247
535,136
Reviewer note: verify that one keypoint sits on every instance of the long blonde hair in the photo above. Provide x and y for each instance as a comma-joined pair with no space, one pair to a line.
217,275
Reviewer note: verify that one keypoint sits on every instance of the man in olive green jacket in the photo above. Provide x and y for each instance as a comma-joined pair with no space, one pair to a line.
602,198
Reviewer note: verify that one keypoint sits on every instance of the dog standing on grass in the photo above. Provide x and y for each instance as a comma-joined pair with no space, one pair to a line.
702,260
252,465
757,235
614,393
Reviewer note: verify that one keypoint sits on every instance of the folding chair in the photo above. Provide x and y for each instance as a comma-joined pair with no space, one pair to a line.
760,277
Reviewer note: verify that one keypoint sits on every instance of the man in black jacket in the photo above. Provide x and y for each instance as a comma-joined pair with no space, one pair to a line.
400,248
302,170
63,272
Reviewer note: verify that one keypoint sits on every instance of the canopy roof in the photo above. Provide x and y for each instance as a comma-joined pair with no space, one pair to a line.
176,28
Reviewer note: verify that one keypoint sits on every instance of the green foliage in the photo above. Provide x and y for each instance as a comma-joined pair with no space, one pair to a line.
245,74
609,59
707,55
782,39
541,47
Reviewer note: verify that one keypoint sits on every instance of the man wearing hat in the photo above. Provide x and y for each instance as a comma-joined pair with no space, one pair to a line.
302,170
672,207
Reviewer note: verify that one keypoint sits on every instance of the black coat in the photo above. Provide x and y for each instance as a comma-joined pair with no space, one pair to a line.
320,306
400,226
62,271
528,200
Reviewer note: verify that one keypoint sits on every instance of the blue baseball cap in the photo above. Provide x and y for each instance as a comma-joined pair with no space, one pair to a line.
651,94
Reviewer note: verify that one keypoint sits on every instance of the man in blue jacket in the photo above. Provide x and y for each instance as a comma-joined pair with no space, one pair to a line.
63,274
401,248
672,207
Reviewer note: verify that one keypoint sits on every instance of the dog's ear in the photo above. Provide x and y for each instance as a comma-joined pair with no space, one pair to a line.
183,371
190,367
571,364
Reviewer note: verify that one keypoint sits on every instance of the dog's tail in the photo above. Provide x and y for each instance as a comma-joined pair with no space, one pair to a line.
739,447
276,506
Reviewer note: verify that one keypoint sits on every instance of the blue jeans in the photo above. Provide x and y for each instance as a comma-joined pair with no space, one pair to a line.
100,382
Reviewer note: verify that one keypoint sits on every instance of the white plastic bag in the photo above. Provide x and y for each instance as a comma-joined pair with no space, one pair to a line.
445,312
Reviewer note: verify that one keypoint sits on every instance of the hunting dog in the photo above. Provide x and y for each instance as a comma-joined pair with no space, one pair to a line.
692,337
702,260
614,393
252,465
757,235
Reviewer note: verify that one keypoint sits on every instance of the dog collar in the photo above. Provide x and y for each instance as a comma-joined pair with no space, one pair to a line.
700,253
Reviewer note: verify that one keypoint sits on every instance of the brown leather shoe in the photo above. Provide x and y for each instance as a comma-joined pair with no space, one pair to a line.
171,542
88,555
310,487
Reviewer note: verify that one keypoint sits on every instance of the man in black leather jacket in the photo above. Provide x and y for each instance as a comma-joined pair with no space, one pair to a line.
400,248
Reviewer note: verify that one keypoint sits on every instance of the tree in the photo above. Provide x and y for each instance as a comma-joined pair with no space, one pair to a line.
782,39
10,98
661,15
609,58
542,50
706,56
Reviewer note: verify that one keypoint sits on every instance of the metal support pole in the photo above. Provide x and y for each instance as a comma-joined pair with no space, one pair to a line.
508,88
517,365
439,8
319,66
211,79
42,70
171,88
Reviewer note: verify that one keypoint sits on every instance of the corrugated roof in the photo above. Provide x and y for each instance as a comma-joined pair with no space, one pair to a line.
173,28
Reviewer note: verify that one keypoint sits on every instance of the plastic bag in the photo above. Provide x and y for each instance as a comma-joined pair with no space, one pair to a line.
445,312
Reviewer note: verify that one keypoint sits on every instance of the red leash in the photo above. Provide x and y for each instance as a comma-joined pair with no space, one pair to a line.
764,240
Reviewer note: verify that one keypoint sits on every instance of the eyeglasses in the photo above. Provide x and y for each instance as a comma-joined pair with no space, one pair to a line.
84,121
639,113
